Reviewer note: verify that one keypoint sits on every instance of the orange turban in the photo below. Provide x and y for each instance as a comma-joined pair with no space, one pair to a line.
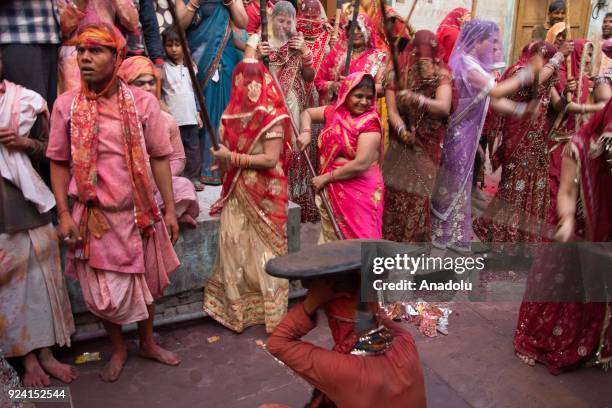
102,34
106,35
134,67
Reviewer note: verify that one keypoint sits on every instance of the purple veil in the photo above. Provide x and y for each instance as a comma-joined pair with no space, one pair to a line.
477,53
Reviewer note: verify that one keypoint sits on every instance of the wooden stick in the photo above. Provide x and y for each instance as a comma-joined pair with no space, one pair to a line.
194,80
324,198
388,34
263,12
337,22
474,8
568,37
414,4
352,27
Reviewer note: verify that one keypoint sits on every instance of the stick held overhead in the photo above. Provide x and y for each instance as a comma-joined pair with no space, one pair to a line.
352,27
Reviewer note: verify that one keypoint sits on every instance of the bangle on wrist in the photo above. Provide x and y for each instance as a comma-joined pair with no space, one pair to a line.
332,179
62,212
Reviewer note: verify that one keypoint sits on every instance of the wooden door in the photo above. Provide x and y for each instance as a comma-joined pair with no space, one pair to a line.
531,13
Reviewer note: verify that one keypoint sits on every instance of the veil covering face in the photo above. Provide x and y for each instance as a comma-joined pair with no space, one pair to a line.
278,32
481,40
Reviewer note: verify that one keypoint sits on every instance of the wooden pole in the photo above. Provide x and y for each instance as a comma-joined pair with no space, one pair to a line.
311,169
263,12
474,8
414,4
194,80
337,22
568,37
353,26
388,34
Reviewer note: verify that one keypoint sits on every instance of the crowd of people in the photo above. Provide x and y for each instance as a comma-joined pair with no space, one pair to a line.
103,149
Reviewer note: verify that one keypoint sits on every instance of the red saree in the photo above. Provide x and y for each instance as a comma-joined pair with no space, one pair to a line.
255,107
357,203
566,335
449,30
518,211
409,174
317,36
570,124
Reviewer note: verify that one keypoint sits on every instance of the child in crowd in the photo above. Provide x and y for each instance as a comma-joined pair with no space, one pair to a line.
177,94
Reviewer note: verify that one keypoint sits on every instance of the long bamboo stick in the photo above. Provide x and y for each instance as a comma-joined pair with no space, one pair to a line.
414,4
474,8
311,169
352,27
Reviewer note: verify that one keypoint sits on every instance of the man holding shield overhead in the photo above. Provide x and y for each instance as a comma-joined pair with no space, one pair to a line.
374,361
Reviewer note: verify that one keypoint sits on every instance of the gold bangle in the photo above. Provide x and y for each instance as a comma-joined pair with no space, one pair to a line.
196,6
191,8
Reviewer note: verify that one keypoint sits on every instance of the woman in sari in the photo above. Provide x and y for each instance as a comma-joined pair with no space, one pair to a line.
350,149
312,24
418,112
365,58
556,35
291,62
253,205
518,210
566,335
569,115
473,60
449,30
141,73
213,28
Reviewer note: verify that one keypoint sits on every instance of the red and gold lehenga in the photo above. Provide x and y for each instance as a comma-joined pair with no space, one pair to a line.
565,335
518,211
253,207
409,174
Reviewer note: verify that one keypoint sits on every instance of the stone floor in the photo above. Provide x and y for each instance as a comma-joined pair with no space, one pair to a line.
474,366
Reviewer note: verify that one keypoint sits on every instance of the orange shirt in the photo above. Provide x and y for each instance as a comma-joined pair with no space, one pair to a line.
392,380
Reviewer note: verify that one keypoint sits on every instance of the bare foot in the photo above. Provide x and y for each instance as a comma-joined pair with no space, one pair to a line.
188,220
112,369
34,375
63,372
155,352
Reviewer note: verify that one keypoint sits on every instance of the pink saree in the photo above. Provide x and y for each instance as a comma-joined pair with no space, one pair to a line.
357,203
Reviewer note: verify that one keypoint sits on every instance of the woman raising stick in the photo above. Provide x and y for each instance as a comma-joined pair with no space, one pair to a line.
254,134
418,117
